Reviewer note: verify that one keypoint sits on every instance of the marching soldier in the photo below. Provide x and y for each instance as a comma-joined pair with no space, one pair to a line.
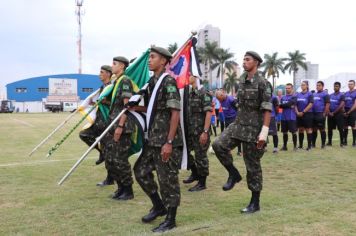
162,150
250,128
88,135
199,117
119,138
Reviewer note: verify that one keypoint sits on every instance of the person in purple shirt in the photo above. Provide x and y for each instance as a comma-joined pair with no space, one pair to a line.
229,107
305,100
289,116
336,117
350,112
321,110
273,123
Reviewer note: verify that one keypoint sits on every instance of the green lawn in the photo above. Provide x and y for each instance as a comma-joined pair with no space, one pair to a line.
305,193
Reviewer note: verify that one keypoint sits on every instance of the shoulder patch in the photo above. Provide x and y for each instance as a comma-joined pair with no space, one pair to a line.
125,87
171,89
207,98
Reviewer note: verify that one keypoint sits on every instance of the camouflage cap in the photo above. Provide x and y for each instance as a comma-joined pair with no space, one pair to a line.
106,68
254,55
122,59
162,51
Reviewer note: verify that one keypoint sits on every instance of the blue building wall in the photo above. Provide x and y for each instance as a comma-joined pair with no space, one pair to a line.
33,84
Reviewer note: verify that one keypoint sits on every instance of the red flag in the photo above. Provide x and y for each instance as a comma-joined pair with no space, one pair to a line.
180,66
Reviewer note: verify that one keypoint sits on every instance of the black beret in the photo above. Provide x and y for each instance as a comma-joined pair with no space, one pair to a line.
106,68
162,51
254,55
122,59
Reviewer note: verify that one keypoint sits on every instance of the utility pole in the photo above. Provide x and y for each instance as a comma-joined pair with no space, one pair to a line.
79,13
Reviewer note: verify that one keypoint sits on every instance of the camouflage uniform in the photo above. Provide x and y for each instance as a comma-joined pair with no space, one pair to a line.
167,98
254,96
89,135
199,104
117,153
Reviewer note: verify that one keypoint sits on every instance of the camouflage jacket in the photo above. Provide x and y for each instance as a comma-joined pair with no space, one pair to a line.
254,97
167,98
199,103
124,90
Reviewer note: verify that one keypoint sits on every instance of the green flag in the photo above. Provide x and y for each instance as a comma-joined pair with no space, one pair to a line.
138,71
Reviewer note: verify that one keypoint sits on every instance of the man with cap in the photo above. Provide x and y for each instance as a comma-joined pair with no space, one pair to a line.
250,128
162,150
119,137
199,118
89,135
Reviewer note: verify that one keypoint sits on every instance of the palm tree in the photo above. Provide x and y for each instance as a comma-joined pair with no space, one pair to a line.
295,60
172,47
207,56
230,82
272,66
222,58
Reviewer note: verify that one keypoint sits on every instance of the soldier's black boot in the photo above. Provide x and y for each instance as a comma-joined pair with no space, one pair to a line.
169,223
126,194
254,204
234,177
108,181
193,176
100,160
118,192
158,209
201,185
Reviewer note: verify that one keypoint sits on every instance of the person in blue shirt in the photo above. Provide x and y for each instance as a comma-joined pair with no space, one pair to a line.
273,123
217,107
336,116
321,110
289,116
305,100
350,112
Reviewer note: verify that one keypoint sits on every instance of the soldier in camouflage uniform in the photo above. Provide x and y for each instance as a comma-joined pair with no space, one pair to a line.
250,128
118,139
162,150
89,135
199,117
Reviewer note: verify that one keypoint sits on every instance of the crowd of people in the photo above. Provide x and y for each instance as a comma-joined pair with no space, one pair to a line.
245,121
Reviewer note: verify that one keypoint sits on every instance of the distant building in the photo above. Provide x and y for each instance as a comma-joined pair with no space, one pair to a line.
312,73
209,34
32,93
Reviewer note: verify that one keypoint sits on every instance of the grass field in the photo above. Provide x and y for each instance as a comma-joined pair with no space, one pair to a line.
305,193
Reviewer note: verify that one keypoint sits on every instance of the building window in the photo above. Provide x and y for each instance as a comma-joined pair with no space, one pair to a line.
21,90
42,90
87,90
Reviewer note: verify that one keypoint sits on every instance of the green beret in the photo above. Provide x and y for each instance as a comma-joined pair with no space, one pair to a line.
162,51
106,68
254,55
122,59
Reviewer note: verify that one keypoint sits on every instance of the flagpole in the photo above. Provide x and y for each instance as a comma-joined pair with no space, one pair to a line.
193,34
53,132
56,146
91,147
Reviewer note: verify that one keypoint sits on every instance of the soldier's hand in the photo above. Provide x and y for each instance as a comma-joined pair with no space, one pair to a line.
203,139
117,134
166,152
260,144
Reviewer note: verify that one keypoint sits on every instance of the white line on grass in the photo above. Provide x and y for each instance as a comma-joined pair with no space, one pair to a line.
23,122
35,162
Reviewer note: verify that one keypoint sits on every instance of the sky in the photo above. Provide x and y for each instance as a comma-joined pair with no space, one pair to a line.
38,37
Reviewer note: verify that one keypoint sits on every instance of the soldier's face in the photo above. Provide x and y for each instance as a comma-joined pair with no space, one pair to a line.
117,67
249,63
351,85
156,61
319,87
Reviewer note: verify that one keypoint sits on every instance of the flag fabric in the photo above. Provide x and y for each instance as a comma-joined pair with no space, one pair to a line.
184,64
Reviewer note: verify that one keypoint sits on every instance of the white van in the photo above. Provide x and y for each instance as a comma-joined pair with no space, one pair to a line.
70,106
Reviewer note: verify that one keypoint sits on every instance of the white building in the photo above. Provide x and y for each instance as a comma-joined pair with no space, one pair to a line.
312,73
209,34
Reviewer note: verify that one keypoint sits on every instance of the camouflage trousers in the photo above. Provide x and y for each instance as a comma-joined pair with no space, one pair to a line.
167,173
200,158
252,157
117,159
89,135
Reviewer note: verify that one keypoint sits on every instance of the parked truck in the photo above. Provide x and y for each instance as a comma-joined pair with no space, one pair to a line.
7,106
